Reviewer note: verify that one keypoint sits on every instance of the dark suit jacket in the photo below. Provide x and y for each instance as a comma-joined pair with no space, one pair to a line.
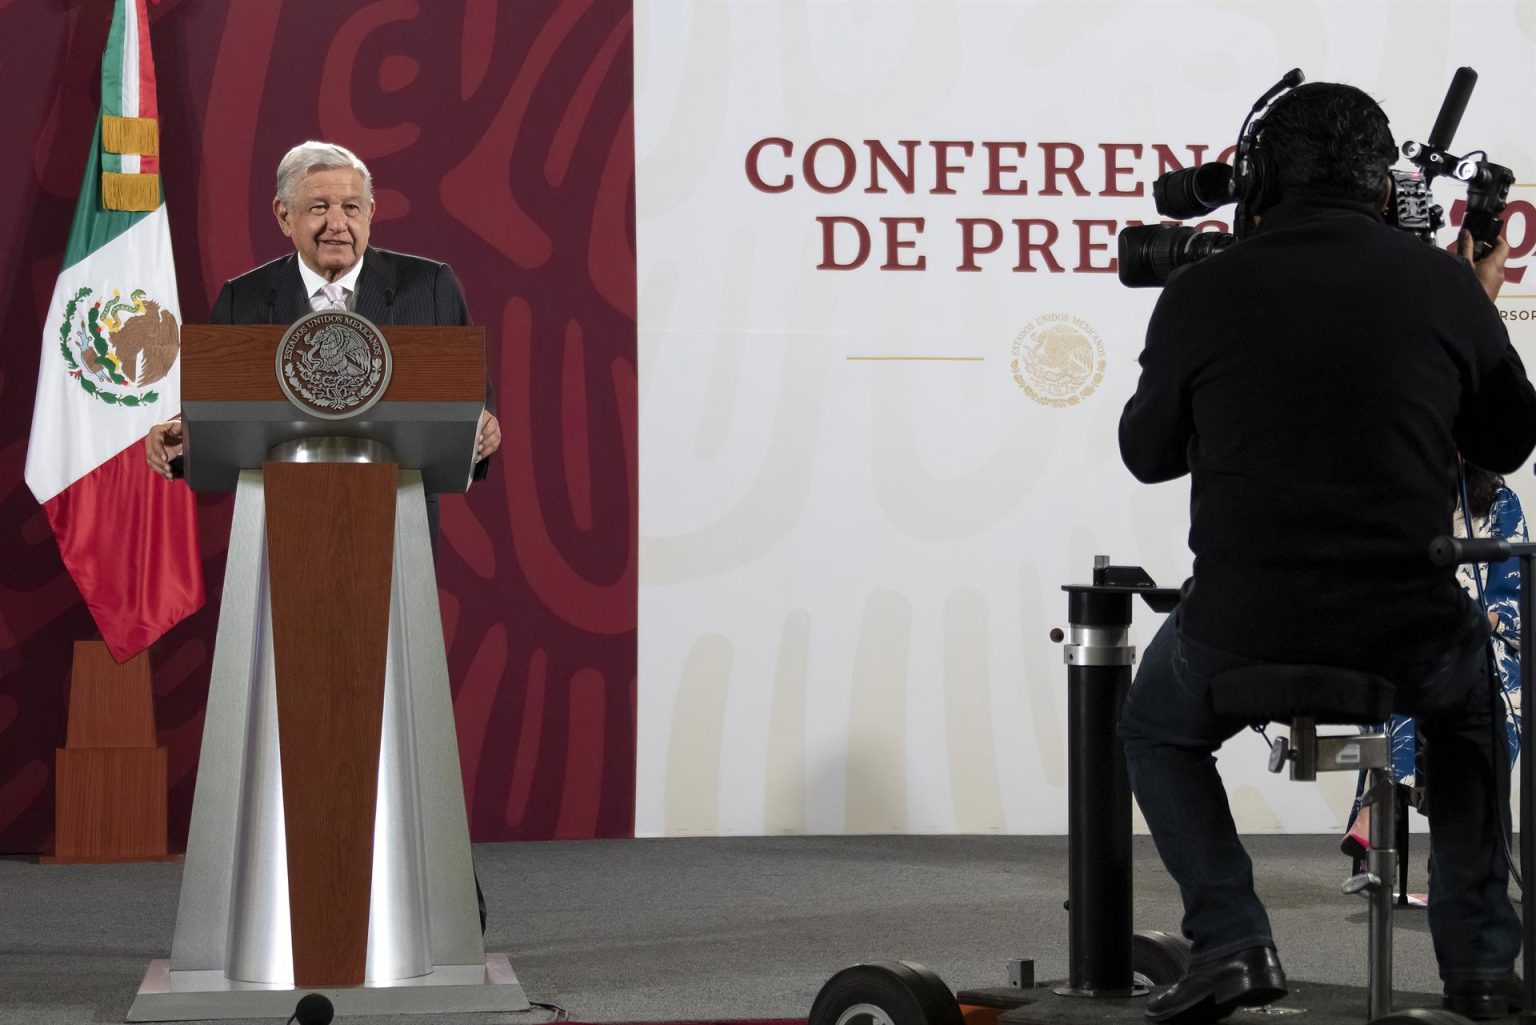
393,288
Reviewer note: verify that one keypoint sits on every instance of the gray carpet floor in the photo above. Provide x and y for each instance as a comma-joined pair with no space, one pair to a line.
708,929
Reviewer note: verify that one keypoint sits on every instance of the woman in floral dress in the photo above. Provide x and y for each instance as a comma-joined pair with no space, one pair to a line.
1496,513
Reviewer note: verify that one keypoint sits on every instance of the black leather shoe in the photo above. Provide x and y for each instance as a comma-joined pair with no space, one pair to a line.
1485,999
1209,992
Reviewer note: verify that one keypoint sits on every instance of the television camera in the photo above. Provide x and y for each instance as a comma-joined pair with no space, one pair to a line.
1151,254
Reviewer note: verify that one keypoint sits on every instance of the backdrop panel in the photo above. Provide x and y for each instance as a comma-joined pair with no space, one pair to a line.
883,353
500,139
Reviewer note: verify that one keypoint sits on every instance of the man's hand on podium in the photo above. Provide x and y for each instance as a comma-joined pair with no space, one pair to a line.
488,440
162,444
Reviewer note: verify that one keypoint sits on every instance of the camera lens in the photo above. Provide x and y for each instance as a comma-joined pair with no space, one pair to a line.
1194,191
1151,253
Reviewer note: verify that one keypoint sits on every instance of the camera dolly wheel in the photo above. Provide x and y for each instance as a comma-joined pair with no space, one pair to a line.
886,993
1160,958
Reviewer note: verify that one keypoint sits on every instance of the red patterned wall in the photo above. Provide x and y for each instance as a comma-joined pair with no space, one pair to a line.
500,136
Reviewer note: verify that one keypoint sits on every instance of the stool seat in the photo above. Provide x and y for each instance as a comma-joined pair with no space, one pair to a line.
1304,697
1324,694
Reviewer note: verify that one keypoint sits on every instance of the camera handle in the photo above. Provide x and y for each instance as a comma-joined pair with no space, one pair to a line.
1487,195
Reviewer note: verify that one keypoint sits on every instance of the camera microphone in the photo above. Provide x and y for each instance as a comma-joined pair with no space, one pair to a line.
1455,105
1488,184
1433,157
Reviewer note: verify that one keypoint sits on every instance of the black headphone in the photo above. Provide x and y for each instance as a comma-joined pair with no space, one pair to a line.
1253,181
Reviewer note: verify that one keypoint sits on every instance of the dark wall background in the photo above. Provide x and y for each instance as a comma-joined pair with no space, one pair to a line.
500,139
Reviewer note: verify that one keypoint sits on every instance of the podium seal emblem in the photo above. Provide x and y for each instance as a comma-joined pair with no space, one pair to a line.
333,364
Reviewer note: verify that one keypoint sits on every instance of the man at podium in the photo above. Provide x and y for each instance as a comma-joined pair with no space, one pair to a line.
324,204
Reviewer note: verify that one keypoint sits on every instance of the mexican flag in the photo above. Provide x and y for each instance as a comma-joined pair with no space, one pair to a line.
110,369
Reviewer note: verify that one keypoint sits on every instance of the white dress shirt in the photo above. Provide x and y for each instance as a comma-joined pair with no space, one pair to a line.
314,286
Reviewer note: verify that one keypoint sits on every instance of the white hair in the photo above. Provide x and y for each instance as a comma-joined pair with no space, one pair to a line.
311,156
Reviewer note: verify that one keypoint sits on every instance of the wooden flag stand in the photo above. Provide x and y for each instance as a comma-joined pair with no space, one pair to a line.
110,775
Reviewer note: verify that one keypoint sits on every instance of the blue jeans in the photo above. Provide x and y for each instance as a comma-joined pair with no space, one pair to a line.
1171,734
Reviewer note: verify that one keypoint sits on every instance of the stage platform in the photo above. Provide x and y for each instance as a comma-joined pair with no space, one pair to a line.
708,929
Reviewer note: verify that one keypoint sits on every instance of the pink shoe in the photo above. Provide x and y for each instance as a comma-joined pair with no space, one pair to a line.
1356,845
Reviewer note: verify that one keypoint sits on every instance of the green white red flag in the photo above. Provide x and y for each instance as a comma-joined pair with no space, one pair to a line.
111,369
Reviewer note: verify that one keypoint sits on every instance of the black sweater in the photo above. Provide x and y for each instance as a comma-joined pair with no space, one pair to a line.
1317,380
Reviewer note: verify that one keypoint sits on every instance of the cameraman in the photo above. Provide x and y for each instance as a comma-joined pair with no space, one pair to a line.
1317,381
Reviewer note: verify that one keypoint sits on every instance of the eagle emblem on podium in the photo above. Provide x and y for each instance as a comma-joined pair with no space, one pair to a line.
333,364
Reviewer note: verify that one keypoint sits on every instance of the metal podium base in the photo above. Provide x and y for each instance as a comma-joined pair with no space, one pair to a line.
165,995
232,952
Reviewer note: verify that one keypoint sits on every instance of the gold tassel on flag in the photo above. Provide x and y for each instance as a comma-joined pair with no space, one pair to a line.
130,191
139,135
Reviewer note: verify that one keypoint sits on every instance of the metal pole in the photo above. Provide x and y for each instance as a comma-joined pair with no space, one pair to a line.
1527,788
1099,657
1382,862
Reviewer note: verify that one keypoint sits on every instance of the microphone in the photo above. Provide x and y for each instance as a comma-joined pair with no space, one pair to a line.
1454,105
389,306
272,306
1292,79
313,1009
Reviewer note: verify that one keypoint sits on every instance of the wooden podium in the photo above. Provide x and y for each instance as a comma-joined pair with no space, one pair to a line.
329,846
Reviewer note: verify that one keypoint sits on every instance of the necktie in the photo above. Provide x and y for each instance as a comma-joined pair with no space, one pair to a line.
335,296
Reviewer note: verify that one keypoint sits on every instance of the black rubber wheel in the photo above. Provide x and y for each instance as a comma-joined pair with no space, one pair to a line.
1422,1016
885,993
1160,958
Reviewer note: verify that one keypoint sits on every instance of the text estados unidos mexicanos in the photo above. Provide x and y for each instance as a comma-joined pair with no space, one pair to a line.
830,166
